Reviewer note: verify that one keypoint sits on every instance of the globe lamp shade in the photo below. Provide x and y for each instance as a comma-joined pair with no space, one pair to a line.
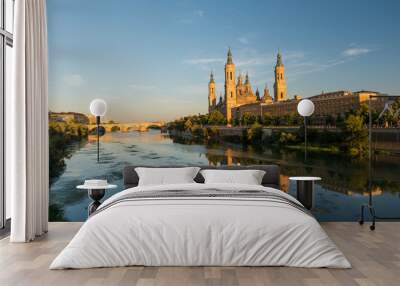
98,107
305,107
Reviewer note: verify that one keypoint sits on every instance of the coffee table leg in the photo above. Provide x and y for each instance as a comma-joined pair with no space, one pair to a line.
305,193
96,195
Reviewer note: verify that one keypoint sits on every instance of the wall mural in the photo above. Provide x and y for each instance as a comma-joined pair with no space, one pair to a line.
185,84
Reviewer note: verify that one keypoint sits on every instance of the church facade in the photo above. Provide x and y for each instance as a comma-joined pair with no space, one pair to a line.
239,97
238,91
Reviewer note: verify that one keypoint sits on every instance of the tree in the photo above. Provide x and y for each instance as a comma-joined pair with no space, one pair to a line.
363,112
248,118
287,138
339,120
330,120
290,119
115,129
356,135
267,119
276,120
188,124
255,134
203,119
216,118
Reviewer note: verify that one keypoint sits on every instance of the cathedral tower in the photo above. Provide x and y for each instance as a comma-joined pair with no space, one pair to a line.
211,94
280,84
230,86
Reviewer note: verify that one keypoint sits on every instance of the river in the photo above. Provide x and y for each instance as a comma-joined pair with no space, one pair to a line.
344,185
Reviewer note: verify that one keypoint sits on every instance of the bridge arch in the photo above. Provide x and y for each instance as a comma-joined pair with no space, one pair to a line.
127,127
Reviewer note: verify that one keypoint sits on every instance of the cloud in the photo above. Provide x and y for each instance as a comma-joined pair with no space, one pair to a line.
192,17
353,52
74,80
303,68
243,40
257,59
199,13
203,61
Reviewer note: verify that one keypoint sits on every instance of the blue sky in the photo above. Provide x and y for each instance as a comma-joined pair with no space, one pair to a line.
150,60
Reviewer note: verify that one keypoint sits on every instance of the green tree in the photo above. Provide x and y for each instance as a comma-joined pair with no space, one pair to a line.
203,119
267,119
363,112
290,119
339,120
248,119
330,120
188,124
356,135
276,120
197,131
287,138
216,118
236,121
255,134
115,129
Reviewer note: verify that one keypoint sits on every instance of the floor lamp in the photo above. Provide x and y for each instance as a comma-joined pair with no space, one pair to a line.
305,108
390,99
98,107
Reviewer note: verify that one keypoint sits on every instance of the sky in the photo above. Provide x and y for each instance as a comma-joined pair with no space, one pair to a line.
151,60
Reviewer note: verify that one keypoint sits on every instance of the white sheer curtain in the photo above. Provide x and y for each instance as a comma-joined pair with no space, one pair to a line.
28,123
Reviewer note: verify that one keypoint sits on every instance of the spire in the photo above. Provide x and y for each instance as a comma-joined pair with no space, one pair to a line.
229,60
212,77
258,95
247,78
240,79
279,59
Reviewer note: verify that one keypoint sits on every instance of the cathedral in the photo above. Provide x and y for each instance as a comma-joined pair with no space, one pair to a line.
239,92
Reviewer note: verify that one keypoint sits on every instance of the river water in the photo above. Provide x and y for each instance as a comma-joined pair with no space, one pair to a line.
338,197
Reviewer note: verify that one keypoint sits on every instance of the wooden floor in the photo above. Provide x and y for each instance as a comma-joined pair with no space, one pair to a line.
375,257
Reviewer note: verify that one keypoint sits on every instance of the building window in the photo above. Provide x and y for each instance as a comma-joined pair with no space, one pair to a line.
6,43
231,75
231,94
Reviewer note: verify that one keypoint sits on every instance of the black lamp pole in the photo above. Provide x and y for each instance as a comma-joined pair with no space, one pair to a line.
98,137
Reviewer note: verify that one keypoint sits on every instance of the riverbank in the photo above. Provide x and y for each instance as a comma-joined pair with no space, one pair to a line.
61,135
64,140
320,139
260,137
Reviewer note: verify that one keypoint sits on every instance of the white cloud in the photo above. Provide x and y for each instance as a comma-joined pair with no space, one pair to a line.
192,17
257,59
74,80
203,61
353,52
199,13
243,40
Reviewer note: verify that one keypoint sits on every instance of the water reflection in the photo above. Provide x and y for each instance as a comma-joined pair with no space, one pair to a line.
337,197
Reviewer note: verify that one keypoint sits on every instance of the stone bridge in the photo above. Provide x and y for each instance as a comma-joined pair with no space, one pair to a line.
127,127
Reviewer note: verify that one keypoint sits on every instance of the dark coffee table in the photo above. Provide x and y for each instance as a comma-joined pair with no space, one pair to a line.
96,194
305,190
